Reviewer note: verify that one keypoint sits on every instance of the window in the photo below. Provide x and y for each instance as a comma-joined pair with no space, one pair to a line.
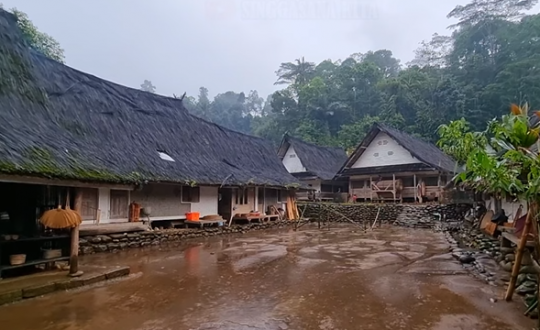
390,153
191,194
90,197
376,154
292,156
385,142
241,196
119,204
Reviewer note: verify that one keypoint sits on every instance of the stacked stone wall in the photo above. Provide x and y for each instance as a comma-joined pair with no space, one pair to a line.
408,215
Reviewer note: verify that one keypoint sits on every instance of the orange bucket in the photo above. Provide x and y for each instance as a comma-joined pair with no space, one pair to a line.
193,216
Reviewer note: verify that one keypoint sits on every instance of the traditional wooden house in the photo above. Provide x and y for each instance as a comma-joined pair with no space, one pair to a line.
314,165
65,130
390,165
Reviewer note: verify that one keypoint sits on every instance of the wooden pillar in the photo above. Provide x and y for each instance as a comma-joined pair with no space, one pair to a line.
351,192
74,253
439,189
371,189
256,199
394,186
415,188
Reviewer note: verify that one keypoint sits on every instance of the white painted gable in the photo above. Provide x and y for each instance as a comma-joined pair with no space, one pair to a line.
292,163
384,151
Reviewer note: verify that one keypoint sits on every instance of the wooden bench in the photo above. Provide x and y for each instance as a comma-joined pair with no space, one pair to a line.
202,223
509,238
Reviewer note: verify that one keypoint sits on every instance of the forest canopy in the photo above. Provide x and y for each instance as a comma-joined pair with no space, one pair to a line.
490,60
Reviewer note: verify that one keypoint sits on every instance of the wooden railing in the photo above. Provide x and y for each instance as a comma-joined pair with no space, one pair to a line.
305,195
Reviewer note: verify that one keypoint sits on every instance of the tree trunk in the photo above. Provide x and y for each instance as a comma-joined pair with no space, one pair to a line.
74,255
519,255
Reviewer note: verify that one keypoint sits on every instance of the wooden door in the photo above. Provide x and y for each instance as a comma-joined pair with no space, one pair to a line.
119,204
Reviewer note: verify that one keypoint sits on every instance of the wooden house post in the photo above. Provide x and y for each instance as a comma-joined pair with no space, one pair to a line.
351,192
415,188
394,185
74,253
264,199
439,189
257,200
371,189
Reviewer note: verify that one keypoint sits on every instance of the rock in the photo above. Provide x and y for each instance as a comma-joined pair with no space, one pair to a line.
105,239
94,240
506,250
521,278
134,244
506,265
117,236
101,248
87,249
526,287
527,270
466,259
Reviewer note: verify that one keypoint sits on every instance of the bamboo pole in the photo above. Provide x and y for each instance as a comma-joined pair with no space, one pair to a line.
519,255
376,218
74,254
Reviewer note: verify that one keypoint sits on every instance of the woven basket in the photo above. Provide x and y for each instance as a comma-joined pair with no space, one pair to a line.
51,254
17,259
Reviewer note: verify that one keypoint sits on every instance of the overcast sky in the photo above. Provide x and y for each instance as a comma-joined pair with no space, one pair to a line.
225,45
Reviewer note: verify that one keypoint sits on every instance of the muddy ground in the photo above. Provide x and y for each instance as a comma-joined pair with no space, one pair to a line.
344,279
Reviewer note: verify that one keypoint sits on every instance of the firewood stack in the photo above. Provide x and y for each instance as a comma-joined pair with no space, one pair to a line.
292,207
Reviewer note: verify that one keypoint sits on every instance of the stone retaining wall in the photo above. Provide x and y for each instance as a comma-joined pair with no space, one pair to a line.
477,246
121,241
408,215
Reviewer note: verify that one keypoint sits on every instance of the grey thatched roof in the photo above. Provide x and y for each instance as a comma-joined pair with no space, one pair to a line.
424,151
63,123
322,162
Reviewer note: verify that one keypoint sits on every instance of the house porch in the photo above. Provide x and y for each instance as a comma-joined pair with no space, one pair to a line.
400,187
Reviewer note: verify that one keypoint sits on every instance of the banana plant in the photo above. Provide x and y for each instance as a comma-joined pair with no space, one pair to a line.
514,169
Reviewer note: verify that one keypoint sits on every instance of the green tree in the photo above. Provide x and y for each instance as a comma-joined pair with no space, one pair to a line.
490,60
352,134
38,40
295,73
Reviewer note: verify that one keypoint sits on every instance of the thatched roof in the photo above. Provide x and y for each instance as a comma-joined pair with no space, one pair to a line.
322,162
66,124
428,154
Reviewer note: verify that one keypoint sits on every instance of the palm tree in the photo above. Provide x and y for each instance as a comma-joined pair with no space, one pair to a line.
297,73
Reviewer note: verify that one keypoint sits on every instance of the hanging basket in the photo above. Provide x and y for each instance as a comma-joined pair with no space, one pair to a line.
61,219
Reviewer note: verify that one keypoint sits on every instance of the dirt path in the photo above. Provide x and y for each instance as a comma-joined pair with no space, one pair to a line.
340,279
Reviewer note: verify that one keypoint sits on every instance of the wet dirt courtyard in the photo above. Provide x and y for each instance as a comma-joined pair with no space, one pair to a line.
342,278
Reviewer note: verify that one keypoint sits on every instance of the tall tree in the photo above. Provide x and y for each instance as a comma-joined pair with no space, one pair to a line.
147,86
295,73
478,11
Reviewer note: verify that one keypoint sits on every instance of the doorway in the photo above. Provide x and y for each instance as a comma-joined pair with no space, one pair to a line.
225,203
